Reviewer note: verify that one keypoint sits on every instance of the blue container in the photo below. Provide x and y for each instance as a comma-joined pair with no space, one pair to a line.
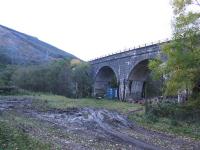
111,93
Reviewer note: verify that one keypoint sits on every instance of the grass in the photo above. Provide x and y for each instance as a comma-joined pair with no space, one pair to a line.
12,124
151,122
48,101
14,138
61,102
166,125
21,132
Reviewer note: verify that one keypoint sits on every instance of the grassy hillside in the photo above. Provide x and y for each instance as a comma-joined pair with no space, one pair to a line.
19,48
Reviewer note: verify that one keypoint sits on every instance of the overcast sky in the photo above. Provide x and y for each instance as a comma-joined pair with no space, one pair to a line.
90,28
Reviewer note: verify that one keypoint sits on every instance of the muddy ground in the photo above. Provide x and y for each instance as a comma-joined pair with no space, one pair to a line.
87,128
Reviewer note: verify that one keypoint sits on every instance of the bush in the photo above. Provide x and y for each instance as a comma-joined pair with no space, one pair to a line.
174,122
59,77
15,138
151,118
175,111
163,109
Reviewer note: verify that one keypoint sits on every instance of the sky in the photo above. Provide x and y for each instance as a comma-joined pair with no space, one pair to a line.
90,28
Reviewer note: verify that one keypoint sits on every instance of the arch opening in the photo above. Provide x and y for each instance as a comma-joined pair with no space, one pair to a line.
106,80
140,83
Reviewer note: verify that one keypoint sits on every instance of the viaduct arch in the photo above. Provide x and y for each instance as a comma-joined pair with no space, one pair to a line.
129,69
104,78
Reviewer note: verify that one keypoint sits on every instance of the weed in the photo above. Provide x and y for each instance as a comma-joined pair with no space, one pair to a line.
15,138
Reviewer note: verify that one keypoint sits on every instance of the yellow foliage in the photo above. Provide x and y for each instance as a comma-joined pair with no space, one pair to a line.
75,62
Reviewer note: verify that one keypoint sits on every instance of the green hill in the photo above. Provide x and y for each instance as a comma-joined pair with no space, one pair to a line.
20,48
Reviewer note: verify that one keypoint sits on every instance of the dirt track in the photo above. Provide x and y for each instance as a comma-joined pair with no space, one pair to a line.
89,128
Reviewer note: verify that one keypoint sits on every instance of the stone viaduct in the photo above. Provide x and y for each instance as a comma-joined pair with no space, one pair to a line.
129,69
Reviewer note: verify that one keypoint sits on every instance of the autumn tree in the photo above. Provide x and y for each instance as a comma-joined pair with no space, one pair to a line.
182,68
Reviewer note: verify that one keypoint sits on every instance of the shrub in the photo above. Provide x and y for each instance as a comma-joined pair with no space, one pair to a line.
174,122
175,111
151,118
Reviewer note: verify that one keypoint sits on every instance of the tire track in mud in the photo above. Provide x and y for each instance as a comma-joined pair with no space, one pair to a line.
91,124
121,136
102,120
83,117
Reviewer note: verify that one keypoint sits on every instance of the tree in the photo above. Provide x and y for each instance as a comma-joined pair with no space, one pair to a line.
64,77
182,69
6,72
82,79
54,77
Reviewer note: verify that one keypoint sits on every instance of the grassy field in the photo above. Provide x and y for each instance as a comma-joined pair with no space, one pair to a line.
14,126
61,102
166,125
12,137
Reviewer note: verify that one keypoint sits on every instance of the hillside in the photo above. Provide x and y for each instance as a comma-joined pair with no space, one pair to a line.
19,48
